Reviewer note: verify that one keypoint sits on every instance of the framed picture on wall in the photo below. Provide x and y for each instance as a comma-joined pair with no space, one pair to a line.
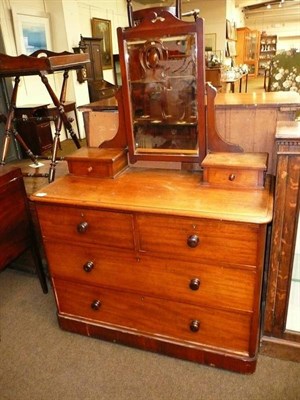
101,28
32,31
210,41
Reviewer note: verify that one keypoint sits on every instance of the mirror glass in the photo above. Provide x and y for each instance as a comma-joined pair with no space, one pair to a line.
163,92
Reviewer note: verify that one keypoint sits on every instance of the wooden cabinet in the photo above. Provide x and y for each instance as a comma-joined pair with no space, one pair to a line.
213,75
172,259
268,48
16,232
278,339
98,87
34,128
248,49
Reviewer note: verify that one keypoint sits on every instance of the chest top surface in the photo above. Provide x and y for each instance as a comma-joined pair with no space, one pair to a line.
161,191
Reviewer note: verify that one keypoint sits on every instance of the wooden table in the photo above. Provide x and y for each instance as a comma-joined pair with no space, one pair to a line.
240,118
40,63
231,83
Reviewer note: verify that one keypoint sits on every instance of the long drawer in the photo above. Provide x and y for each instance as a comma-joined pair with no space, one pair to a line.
162,318
189,282
80,225
204,239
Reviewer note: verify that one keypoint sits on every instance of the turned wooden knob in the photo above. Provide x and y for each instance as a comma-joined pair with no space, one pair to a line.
195,325
82,227
195,284
193,241
96,304
231,177
88,266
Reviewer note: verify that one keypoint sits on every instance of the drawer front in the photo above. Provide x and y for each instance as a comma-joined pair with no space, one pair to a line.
190,282
158,317
79,225
217,241
232,177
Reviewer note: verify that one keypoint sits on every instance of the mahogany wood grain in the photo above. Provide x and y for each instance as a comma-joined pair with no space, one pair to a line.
197,353
170,278
16,230
119,234
156,316
163,191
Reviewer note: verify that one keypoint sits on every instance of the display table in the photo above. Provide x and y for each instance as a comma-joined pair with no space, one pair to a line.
41,63
230,83
234,112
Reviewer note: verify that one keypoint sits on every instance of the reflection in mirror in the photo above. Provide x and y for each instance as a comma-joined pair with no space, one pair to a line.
162,81
293,316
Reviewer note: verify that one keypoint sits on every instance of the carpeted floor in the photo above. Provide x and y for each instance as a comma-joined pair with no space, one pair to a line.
38,361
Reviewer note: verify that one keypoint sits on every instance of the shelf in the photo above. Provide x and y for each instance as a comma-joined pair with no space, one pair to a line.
147,120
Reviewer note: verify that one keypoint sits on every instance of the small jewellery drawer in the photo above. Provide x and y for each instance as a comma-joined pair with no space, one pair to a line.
240,170
148,315
231,288
80,225
232,177
218,241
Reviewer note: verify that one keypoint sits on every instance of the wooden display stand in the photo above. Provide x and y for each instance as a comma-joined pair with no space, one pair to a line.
41,62
162,240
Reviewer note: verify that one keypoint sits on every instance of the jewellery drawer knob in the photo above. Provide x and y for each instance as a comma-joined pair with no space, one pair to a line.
82,227
231,177
195,325
195,284
88,266
193,241
96,304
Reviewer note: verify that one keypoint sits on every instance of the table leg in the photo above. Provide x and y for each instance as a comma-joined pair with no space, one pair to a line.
10,130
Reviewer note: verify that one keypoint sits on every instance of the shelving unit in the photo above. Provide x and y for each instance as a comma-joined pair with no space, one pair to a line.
248,49
268,48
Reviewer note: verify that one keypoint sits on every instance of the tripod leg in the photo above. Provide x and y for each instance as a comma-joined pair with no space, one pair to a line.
60,108
9,121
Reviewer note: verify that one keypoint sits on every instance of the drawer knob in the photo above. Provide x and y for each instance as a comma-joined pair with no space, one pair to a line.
195,325
195,284
82,227
231,177
96,304
88,266
193,241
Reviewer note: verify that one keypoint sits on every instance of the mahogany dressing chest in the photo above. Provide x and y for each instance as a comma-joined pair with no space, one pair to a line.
162,248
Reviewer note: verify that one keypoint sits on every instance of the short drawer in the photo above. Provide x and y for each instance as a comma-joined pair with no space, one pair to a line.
246,170
79,225
204,239
204,284
232,177
162,318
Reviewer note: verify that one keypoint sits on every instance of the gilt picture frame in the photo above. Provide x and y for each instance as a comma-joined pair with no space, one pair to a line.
101,28
32,31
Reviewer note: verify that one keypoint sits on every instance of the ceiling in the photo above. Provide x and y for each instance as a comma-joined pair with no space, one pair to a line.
279,9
